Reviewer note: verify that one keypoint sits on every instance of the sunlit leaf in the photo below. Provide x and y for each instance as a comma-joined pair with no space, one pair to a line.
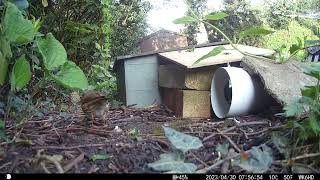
52,51
213,52
182,141
216,16
255,31
184,20
21,73
16,28
71,76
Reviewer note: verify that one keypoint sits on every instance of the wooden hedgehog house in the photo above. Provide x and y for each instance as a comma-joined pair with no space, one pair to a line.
170,77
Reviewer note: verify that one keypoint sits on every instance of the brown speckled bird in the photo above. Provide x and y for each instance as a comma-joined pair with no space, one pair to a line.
94,104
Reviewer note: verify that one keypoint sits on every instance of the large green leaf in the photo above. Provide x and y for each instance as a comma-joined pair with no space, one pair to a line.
184,20
255,31
21,73
213,52
16,28
182,141
71,76
5,48
216,16
172,163
3,69
312,69
259,161
52,51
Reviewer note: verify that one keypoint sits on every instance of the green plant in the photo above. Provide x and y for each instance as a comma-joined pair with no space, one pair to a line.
252,31
309,103
20,40
174,162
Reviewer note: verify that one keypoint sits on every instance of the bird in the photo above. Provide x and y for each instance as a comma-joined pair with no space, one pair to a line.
94,104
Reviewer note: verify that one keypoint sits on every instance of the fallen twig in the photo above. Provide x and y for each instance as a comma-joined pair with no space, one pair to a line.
231,142
299,157
68,148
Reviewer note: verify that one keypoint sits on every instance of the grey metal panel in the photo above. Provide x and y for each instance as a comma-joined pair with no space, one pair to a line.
142,81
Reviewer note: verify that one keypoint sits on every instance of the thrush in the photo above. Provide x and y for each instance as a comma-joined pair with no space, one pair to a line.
94,104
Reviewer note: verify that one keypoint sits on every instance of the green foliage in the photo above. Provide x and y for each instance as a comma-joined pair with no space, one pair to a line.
240,17
309,103
21,74
216,16
182,141
129,24
53,53
184,20
171,163
195,7
288,40
16,28
174,162
259,162
100,157
71,76
254,31
213,52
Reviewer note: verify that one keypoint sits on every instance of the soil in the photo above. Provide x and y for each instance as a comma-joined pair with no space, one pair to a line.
67,142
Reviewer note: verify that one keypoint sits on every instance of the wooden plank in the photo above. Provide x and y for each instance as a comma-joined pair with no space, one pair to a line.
196,104
187,103
173,76
200,80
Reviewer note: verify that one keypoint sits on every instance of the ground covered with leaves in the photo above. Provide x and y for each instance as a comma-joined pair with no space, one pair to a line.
127,140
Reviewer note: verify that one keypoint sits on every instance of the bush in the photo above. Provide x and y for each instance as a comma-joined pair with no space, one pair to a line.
285,38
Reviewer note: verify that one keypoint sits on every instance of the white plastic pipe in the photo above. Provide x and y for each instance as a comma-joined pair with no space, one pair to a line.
235,93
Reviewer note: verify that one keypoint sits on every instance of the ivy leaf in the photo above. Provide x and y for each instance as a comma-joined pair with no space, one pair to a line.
184,20
173,163
213,52
312,69
255,31
182,141
216,16
100,157
52,51
21,74
16,28
71,76
259,161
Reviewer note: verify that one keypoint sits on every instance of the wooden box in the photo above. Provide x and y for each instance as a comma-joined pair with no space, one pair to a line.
187,103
